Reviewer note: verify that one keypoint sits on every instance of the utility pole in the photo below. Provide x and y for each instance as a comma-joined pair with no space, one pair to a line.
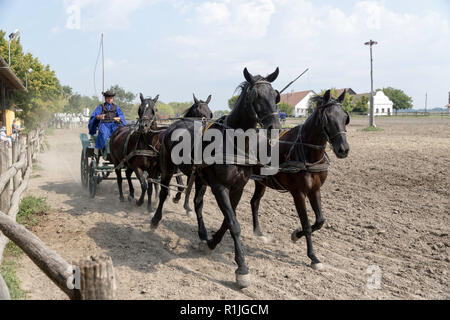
426,102
371,120
103,71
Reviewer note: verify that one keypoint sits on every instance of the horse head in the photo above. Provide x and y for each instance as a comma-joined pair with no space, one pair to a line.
147,113
199,109
333,120
261,99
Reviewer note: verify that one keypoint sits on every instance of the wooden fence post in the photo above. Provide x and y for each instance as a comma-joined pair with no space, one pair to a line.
96,279
4,292
28,147
15,157
5,196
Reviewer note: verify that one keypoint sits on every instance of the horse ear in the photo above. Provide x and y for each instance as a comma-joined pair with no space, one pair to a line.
156,98
327,96
273,76
348,119
142,97
248,76
342,96
209,99
195,99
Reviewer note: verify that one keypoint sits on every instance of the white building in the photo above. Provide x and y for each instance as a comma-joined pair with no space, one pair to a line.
299,100
382,105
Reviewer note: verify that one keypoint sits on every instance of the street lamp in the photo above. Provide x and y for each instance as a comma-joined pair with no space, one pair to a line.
26,77
371,43
12,36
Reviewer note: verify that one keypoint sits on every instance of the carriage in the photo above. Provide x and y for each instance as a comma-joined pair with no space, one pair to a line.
94,168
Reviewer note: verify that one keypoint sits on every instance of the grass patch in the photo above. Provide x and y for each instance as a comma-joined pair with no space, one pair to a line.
37,167
35,176
7,270
29,210
49,131
370,129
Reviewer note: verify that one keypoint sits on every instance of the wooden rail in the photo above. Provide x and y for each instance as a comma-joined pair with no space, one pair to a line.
90,278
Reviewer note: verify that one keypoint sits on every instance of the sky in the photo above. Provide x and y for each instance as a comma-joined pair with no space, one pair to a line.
178,47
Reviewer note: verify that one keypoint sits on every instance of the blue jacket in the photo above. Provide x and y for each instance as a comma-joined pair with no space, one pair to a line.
105,129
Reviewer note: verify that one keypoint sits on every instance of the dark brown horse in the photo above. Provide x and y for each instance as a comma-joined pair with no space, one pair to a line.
126,140
256,104
305,144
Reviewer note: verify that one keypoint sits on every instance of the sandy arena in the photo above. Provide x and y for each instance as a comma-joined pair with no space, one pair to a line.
387,208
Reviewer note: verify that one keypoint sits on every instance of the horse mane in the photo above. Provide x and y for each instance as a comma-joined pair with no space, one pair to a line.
187,112
242,89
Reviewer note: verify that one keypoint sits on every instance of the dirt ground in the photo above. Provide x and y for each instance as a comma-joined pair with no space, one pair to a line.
387,209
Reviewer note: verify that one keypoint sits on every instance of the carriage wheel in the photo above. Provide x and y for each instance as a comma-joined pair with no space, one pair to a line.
84,168
93,179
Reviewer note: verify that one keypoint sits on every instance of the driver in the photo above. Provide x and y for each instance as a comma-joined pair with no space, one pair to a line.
105,117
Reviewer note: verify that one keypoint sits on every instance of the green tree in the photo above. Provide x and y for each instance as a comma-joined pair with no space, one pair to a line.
220,113
232,102
362,105
124,99
45,94
286,108
398,97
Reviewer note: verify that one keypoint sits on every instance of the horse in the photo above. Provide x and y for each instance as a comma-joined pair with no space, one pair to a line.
199,110
256,104
126,139
305,144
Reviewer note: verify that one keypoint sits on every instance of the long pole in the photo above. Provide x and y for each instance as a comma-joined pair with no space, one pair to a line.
9,53
426,102
103,70
371,120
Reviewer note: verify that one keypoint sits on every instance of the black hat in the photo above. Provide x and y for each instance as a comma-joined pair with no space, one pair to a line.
109,93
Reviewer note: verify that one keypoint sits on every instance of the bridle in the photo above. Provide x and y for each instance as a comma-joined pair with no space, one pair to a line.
323,122
145,119
253,113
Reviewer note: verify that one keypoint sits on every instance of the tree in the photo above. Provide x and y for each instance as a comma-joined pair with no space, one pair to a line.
220,113
45,95
398,97
286,108
232,102
124,99
362,105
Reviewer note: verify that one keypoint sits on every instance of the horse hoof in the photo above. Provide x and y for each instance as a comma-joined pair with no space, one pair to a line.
139,203
122,199
175,200
130,198
154,226
317,266
294,236
190,214
203,247
243,280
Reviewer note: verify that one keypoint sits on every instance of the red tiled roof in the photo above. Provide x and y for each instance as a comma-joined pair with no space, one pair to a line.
293,98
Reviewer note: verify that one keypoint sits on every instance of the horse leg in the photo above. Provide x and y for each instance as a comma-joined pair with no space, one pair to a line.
128,173
149,195
316,204
227,203
300,204
186,206
260,189
119,183
200,190
177,197
167,171
140,175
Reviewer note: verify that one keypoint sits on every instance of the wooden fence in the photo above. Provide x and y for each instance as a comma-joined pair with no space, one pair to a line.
90,278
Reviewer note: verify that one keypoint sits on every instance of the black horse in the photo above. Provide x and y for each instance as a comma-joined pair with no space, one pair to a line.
128,139
256,104
305,144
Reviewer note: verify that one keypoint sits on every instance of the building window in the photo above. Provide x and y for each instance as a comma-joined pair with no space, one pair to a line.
382,110
376,111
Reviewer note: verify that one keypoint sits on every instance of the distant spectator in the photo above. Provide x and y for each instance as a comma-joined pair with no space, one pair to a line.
16,128
4,137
